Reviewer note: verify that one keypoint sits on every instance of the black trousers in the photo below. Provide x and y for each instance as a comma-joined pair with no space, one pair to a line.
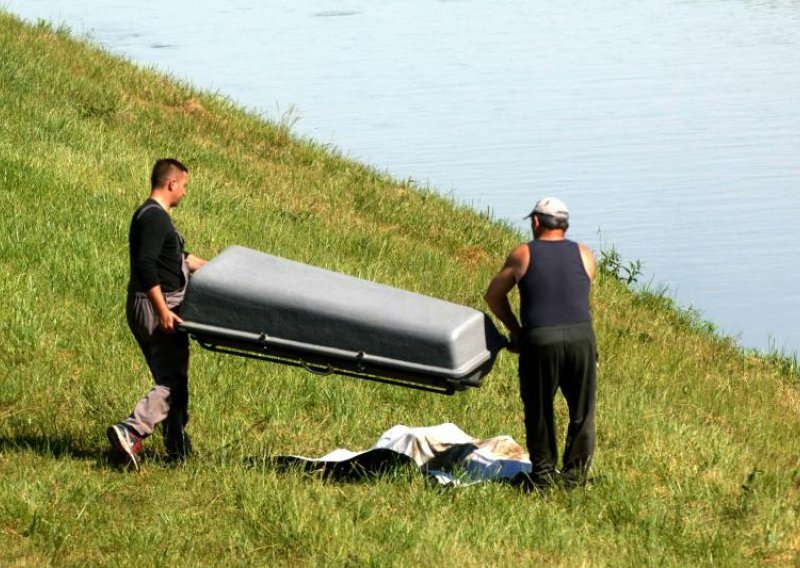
167,356
551,358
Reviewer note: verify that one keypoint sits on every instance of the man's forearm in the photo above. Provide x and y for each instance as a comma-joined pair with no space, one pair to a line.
168,320
156,297
502,309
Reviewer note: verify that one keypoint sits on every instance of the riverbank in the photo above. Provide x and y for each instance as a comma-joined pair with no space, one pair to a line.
697,440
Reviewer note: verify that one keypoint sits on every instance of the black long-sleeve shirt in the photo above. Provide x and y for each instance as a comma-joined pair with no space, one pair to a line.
156,249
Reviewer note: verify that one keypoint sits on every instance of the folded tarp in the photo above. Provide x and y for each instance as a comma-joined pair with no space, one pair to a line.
251,303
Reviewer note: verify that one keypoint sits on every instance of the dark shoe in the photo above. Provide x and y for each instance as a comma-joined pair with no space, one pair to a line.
529,483
574,478
128,444
581,482
177,441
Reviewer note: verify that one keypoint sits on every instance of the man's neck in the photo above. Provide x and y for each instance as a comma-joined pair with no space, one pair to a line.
551,235
160,198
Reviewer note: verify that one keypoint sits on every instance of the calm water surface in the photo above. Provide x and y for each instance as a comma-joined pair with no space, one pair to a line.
671,128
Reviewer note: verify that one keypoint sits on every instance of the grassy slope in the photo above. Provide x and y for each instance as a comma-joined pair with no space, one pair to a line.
698,442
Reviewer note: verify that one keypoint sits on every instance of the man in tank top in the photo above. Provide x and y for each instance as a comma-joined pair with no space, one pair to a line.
554,338
159,273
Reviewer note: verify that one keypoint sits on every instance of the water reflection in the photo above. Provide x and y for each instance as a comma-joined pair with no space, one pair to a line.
335,13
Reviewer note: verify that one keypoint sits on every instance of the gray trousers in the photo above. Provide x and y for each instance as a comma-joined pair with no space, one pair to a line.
167,356
552,358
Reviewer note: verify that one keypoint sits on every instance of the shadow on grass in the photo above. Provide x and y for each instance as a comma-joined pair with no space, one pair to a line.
53,446
366,467
64,446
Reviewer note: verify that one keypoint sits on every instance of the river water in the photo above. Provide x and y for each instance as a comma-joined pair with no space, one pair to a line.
670,127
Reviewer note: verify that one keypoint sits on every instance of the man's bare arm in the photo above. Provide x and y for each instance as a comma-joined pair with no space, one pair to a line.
589,261
497,294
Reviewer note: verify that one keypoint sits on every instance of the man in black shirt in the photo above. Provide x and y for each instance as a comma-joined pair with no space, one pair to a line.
160,271
555,340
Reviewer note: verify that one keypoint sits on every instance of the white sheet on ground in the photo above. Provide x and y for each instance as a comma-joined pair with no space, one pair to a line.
444,452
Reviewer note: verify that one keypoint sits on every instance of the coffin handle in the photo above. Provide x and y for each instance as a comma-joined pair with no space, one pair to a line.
324,371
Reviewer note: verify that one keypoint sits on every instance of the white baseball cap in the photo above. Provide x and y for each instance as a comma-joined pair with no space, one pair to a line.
552,206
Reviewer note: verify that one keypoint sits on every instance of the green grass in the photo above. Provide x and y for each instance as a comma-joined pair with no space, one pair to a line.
698,456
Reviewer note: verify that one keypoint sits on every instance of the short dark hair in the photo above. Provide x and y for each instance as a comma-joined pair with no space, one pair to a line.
551,222
162,170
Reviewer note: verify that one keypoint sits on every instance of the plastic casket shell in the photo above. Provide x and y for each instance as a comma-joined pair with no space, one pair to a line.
254,304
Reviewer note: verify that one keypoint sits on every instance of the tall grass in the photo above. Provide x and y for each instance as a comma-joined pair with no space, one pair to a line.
698,440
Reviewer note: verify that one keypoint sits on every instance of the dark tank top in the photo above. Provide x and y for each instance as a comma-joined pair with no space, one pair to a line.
555,288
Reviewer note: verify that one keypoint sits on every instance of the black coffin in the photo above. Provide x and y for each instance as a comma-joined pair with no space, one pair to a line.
256,305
